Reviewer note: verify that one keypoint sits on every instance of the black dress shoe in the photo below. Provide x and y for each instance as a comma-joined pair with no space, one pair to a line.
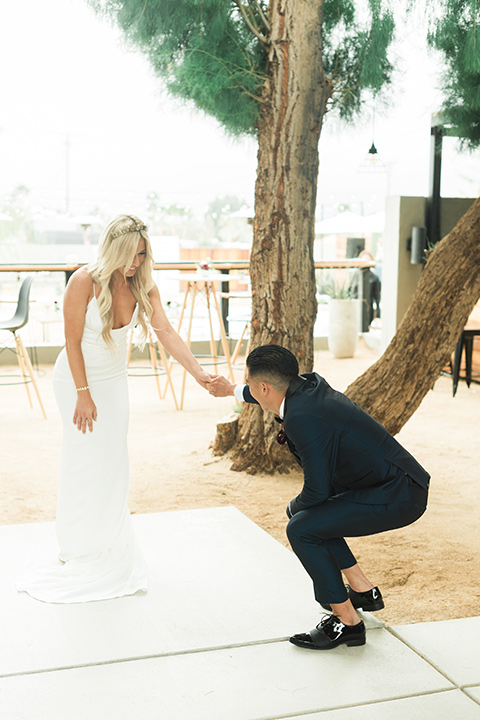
369,601
330,633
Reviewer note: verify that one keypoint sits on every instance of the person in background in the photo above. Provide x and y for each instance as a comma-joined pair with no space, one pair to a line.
369,282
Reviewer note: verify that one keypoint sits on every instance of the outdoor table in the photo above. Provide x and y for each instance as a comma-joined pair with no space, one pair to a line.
67,268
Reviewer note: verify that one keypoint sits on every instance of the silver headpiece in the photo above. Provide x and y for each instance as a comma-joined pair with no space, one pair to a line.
138,227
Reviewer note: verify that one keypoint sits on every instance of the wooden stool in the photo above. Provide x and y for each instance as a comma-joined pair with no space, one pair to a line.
465,341
206,288
155,367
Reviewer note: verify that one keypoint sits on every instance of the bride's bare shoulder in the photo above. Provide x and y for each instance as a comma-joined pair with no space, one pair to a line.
80,283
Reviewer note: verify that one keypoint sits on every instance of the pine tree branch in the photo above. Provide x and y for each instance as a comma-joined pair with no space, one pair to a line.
226,66
251,25
263,16
247,57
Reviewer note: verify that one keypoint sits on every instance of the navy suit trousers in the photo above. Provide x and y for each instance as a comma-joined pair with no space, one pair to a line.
317,533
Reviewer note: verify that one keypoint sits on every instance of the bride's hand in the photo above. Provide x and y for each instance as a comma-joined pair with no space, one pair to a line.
85,412
204,379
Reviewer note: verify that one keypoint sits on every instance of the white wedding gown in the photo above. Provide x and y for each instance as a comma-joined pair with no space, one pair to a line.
98,557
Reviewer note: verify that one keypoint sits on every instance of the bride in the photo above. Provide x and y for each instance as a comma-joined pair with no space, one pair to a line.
98,557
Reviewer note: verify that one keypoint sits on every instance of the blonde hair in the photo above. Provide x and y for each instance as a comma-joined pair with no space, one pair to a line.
116,251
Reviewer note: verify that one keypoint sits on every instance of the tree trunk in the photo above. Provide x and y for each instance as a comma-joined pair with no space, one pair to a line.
282,272
393,388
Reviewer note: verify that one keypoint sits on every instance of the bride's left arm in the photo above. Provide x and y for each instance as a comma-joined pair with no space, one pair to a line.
172,342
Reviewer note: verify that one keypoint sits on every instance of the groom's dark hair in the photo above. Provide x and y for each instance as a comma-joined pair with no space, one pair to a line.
274,364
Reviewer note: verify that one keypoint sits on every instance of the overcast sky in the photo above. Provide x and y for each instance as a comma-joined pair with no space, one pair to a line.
65,74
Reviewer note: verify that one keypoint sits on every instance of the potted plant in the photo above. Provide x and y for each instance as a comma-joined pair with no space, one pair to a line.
343,317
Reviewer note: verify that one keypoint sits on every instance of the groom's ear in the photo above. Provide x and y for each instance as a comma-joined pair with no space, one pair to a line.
266,388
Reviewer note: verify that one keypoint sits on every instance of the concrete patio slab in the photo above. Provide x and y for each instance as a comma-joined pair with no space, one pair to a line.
216,580
208,640
439,706
448,645
271,680
474,692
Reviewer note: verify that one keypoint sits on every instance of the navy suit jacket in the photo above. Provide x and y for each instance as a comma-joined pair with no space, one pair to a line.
341,448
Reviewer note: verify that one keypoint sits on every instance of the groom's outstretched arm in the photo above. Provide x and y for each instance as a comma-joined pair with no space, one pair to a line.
221,387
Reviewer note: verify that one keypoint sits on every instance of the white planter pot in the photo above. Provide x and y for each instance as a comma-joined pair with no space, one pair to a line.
344,327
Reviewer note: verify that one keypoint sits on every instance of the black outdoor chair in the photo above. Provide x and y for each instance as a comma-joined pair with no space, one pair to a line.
19,319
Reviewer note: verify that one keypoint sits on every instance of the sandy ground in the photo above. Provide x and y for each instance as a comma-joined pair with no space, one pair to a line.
428,571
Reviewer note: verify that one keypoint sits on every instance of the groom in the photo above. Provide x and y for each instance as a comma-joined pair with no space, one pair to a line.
358,480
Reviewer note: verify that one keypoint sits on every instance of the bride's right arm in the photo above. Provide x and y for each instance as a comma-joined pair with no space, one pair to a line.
77,296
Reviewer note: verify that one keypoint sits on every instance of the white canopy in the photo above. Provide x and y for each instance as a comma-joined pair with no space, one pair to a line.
349,223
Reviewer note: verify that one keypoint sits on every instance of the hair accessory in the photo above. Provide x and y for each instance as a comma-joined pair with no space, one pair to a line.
138,227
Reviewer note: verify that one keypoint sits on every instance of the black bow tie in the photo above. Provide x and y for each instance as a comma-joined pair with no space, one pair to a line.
293,387
281,437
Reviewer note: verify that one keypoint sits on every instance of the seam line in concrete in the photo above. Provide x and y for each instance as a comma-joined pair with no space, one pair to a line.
139,658
432,664
308,713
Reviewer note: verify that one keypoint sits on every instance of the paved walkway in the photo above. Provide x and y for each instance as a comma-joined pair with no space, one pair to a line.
208,641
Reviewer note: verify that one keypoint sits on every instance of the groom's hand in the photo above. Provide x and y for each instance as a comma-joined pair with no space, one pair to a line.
220,386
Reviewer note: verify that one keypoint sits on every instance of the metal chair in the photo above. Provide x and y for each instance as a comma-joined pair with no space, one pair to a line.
19,319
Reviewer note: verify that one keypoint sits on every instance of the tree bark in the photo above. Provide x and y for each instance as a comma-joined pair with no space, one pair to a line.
226,435
393,388
282,272
283,283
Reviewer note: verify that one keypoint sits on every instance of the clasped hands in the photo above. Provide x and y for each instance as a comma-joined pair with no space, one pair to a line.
220,386
217,385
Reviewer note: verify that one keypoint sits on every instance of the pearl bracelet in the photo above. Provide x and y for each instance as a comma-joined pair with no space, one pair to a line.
82,388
